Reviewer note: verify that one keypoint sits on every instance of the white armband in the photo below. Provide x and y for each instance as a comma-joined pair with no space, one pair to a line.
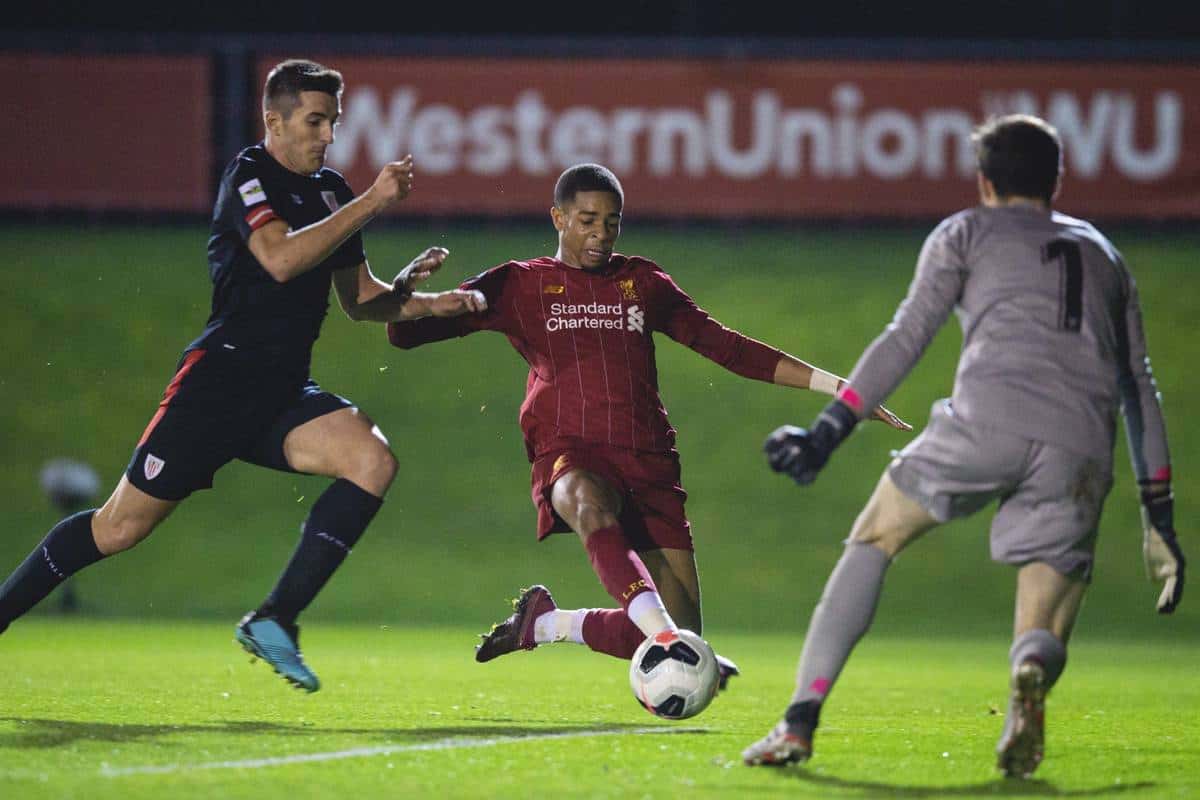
824,382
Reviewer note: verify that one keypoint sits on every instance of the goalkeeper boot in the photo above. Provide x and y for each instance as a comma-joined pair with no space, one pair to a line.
516,632
726,669
278,644
789,742
1021,744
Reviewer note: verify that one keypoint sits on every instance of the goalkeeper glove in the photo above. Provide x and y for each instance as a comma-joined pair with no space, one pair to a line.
801,453
1160,549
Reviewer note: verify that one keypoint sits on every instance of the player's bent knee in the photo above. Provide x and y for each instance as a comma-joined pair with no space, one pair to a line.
890,540
119,535
887,526
385,465
588,489
373,467
592,518
587,504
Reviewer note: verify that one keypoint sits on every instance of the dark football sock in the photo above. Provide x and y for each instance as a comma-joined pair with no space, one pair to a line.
67,548
1041,646
611,631
840,619
334,525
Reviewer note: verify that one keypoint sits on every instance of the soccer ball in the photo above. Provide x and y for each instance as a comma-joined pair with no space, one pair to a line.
674,674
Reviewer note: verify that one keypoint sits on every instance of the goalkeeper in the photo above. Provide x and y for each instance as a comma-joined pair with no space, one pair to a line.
1052,345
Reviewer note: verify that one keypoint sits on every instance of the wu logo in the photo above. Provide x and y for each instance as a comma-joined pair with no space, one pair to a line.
636,319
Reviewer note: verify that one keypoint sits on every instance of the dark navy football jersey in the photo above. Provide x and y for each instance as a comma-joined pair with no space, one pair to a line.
250,309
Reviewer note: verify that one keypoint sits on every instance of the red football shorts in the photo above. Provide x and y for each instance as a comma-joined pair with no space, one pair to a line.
652,513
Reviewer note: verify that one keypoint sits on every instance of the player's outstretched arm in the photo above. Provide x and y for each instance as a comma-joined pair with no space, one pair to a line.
453,303
1150,457
478,304
437,317
286,254
412,333
798,374
1160,547
420,269
366,298
692,327
801,453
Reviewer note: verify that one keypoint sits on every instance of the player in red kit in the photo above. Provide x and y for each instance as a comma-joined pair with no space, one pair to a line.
595,429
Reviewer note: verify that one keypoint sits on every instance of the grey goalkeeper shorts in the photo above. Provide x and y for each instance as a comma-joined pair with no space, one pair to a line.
1050,499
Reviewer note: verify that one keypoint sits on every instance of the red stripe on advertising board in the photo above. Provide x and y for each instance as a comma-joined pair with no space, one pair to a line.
103,132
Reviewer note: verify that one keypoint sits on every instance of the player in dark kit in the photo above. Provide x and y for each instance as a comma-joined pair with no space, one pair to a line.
595,429
284,229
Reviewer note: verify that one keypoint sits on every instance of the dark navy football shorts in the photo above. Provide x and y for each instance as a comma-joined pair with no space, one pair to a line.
220,405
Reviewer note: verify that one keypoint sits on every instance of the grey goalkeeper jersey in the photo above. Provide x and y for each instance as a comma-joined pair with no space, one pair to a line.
1052,333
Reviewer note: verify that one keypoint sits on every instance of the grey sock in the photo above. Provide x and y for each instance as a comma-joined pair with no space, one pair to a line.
1042,646
840,619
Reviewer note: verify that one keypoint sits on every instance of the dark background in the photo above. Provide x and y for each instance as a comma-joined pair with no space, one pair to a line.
1047,20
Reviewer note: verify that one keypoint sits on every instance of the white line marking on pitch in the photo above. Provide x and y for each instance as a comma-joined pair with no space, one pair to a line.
458,743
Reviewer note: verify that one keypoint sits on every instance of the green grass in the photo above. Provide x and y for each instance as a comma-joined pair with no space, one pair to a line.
95,320
90,709
96,317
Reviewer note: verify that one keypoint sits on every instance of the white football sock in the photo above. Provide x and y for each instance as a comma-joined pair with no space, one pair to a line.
560,625
648,613
577,618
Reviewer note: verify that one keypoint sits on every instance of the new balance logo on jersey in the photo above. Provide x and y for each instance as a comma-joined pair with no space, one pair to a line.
330,200
153,466
636,319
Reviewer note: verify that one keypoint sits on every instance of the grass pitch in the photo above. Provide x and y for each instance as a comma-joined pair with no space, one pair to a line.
97,710
96,321
92,709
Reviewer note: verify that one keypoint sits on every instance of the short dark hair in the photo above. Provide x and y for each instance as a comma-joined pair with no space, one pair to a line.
586,178
288,79
1020,154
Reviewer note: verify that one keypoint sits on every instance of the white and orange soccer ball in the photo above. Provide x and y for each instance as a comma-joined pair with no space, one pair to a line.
674,674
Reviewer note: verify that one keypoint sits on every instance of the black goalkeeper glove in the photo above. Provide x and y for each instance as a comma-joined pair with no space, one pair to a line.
801,453
1160,548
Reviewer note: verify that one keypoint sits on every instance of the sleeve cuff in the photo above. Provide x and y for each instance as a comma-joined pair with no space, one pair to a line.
260,215
851,398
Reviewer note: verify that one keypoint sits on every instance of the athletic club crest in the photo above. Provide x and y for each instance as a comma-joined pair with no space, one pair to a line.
153,466
628,289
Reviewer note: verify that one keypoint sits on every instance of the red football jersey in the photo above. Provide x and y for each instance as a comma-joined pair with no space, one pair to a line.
586,337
